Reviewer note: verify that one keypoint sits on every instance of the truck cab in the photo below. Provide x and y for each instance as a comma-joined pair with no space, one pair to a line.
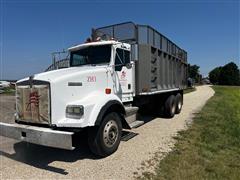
116,57
99,81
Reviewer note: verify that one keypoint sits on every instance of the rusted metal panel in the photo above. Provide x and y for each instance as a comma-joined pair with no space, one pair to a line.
33,104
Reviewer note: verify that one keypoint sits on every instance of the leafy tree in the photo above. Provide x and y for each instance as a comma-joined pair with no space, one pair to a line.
229,75
214,75
193,71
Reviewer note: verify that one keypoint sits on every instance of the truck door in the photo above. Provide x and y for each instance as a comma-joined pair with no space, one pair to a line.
124,75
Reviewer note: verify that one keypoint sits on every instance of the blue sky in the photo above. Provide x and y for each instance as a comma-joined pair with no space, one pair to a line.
31,30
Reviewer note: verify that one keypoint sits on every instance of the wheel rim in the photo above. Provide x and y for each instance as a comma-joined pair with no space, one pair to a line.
110,133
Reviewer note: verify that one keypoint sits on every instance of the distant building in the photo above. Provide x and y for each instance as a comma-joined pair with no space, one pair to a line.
206,80
4,84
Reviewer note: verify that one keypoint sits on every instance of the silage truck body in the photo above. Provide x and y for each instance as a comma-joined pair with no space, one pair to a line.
121,70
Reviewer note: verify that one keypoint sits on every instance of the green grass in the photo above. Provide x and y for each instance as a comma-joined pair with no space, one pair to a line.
9,91
210,148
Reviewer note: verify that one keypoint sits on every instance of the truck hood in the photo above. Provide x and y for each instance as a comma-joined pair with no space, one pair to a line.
70,86
56,75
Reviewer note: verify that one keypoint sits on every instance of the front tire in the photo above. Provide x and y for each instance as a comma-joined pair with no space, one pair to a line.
105,139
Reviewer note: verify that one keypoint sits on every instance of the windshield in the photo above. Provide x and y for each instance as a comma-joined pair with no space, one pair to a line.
91,55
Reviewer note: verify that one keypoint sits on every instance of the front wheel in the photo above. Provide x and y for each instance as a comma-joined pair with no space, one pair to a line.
105,139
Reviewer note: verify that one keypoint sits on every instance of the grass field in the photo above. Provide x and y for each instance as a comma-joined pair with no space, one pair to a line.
210,148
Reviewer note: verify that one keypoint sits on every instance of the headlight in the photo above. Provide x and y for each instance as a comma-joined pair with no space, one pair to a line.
74,111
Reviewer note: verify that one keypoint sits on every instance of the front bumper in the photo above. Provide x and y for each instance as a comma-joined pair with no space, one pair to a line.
38,135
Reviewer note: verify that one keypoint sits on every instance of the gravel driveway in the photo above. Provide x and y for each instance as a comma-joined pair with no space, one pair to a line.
25,161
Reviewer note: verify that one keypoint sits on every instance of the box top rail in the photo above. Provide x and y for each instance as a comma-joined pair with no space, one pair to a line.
139,34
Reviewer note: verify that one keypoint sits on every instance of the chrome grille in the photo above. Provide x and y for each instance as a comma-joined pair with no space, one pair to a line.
33,103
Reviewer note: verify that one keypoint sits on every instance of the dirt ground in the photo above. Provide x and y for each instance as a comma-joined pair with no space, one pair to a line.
20,160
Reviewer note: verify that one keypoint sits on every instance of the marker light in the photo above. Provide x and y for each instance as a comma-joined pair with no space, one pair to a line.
108,91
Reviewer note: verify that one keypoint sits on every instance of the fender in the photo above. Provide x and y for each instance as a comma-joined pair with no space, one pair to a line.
116,106
112,105
95,106
101,103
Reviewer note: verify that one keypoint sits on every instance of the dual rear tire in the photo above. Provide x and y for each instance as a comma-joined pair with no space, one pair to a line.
179,103
173,105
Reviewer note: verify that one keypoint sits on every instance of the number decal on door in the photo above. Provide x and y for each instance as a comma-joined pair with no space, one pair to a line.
91,79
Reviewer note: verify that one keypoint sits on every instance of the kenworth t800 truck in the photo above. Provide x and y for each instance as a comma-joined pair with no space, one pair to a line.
120,70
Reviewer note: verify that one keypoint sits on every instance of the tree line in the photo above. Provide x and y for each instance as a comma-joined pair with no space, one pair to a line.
194,74
228,74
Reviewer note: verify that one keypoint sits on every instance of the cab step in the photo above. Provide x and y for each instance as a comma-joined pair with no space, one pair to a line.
131,114
136,124
131,117
128,135
131,110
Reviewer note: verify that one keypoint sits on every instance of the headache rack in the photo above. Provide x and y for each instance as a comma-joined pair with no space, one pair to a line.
161,65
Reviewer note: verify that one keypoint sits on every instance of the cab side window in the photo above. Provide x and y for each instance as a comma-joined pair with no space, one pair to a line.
122,58
126,56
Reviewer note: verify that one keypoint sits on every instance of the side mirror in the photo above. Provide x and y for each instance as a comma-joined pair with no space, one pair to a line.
129,65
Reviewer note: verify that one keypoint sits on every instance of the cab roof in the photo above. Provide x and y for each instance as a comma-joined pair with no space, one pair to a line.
98,43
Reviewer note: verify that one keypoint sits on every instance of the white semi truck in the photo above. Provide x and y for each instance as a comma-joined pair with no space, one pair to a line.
122,69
